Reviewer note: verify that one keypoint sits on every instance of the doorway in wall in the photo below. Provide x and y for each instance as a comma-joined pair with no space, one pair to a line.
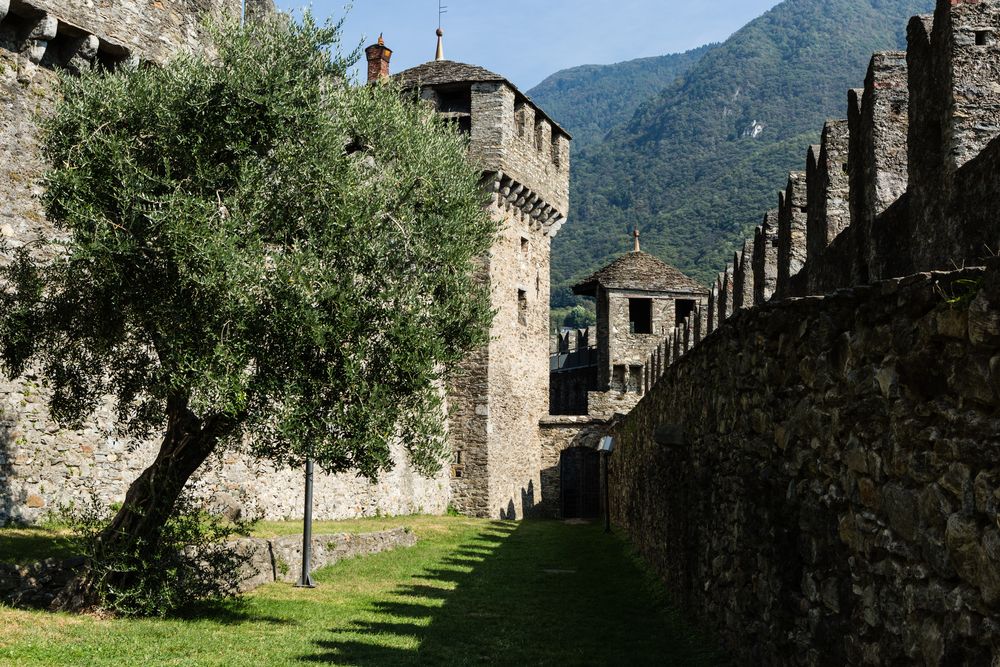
580,482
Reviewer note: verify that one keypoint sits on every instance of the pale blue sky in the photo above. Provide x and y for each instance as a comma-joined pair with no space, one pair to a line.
526,40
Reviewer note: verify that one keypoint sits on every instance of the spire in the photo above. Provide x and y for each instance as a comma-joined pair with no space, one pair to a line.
635,234
440,49
381,42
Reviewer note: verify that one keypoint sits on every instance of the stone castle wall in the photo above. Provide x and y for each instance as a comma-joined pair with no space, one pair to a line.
519,364
818,479
903,184
41,465
818,476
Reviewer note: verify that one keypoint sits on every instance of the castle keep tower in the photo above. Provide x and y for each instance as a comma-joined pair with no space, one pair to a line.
502,391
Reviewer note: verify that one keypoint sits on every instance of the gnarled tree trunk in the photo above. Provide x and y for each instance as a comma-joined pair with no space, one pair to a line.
151,498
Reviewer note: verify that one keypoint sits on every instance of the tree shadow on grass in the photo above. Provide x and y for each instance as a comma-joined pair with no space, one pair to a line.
228,612
529,593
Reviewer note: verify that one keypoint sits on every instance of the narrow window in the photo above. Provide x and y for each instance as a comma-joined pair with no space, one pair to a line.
683,308
982,37
635,380
522,307
524,247
538,135
640,316
618,379
519,118
556,157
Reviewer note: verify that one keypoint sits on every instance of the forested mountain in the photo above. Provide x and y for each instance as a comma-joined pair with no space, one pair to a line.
590,100
698,163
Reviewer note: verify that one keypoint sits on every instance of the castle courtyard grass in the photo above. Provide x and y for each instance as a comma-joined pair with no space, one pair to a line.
470,592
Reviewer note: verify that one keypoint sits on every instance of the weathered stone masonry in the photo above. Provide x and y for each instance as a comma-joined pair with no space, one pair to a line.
820,479
502,391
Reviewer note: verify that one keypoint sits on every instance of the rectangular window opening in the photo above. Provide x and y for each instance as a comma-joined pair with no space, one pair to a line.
640,316
635,379
618,379
682,309
519,118
524,246
982,37
522,307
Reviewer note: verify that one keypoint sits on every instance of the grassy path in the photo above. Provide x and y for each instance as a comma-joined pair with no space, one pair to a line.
471,592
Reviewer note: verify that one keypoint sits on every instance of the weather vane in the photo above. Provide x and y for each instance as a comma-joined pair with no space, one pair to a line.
442,10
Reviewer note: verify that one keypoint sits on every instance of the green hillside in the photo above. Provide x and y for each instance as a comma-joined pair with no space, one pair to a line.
590,100
698,163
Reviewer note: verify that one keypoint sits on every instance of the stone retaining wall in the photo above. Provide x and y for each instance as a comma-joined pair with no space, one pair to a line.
819,479
280,558
276,559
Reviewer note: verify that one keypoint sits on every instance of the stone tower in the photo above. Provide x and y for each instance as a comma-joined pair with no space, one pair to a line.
640,302
502,390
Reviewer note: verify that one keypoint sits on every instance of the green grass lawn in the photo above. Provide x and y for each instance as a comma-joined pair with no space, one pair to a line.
470,592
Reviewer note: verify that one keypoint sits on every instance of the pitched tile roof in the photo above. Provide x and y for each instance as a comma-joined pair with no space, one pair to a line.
640,271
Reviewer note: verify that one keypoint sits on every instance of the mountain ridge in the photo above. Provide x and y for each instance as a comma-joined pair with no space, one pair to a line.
699,161
590,100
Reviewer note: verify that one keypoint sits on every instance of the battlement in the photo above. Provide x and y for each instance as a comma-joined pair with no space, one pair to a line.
508,135
906,184
792,214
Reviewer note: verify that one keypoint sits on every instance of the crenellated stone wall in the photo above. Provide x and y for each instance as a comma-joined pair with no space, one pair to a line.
903,184
819,480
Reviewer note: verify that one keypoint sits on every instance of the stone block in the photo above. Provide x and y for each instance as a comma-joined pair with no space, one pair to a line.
44,28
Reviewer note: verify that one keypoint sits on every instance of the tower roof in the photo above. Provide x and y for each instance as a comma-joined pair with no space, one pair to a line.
446,72
639,271
440,72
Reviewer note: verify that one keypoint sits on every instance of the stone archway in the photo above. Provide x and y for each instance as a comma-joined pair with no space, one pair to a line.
580,483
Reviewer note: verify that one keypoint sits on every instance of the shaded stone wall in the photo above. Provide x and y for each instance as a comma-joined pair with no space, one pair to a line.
557,435
277,559
818,479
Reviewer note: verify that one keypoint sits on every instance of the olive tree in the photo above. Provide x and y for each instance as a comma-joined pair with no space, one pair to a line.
255,253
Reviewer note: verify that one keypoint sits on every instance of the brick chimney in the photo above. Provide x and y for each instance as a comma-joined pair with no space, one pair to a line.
378,61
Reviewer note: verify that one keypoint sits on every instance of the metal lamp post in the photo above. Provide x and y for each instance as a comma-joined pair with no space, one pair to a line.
605,447
305,579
